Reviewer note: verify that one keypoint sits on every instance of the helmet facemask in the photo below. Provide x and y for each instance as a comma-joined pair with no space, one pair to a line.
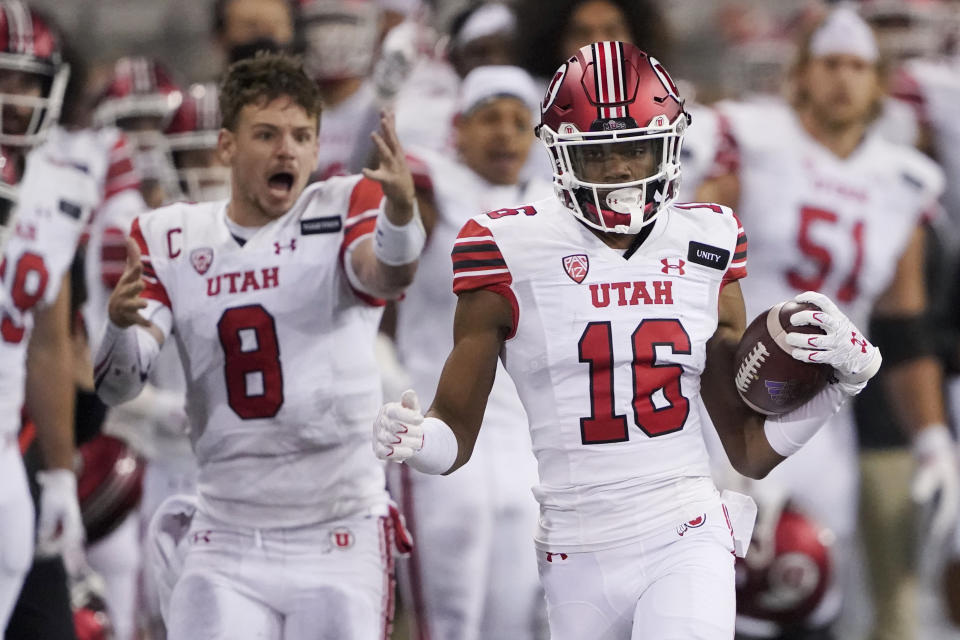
618,178
44,108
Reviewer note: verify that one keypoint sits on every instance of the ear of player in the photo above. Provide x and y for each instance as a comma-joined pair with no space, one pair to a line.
842,345
397,431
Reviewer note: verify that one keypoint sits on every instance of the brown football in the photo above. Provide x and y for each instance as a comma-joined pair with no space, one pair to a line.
768,378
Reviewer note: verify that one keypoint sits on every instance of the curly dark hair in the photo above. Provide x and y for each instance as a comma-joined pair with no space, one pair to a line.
541,24
263,79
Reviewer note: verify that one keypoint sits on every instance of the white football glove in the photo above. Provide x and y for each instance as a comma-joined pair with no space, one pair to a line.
397,434
60,526
844,347
936,480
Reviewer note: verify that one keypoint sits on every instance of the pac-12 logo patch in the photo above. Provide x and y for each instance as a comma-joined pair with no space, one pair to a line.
201,259
577,266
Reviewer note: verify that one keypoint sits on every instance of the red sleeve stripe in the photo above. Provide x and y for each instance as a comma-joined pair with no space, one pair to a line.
153,288
366,195
129,180
357,232
726,160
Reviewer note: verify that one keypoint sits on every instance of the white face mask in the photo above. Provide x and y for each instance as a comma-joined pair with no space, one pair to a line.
341,39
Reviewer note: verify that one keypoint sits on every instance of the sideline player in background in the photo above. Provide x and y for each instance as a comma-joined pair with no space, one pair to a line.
617,335
835,208
273,298
476,576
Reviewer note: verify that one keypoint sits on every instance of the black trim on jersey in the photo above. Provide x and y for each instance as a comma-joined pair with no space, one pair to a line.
70,209
708,255
476,248
466,264
739,255
240,241
638,240
327,224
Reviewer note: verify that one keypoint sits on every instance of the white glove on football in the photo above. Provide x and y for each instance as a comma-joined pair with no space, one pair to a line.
936,479
844,347
397,433
60,526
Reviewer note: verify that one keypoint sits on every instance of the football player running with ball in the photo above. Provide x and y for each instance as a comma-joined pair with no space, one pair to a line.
274,299
618,332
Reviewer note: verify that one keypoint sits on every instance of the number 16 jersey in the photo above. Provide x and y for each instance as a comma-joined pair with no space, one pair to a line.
606,352
277,350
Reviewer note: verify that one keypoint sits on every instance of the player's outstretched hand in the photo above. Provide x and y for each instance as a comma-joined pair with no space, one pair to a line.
125,302
843,346
397,433
392,172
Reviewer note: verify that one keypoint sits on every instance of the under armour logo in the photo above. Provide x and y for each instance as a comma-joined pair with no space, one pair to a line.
857,340
201,536
550,556
669,264
277,247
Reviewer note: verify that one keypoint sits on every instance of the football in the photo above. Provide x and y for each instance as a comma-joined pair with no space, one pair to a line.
768,378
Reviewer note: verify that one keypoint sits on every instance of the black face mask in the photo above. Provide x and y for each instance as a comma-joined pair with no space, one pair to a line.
250,48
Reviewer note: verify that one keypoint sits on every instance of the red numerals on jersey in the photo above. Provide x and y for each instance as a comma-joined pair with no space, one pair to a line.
248,336
596,349
30,278
659,407
500,213
810,217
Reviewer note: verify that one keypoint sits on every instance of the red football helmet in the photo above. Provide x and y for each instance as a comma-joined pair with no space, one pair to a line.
109,484
612,98
787,568
29,46
192,139
141,97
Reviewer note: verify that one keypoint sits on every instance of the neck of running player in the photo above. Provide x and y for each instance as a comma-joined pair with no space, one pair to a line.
840,139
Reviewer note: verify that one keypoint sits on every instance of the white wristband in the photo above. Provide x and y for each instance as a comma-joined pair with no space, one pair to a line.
395,245
439,450
790,431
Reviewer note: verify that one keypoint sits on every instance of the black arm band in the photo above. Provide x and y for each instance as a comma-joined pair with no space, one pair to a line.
902,338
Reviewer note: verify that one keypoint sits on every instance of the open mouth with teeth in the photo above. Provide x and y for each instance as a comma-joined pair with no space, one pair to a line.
281,182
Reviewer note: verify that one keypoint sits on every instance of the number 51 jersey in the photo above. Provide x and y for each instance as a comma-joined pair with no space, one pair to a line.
277,350
606,352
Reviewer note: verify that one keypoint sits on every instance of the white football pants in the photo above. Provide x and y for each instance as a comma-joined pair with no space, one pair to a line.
16,527
325,582
677,584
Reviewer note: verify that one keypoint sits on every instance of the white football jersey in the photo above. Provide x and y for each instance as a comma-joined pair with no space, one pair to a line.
932,87
459,194
277,349
819,222
344,131
55,202
699,149
606,353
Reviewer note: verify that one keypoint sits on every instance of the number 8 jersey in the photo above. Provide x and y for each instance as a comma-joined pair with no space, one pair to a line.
277,349
606,351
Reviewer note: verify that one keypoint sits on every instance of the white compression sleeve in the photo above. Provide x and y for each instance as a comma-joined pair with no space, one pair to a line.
126,355
788,432
439,450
